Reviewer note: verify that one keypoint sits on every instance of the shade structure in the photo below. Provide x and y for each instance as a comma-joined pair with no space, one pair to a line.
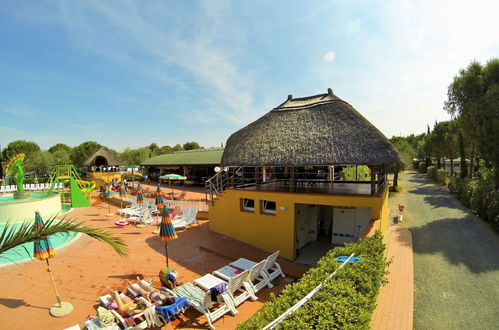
140,195
122,190
43,247
159,197
172,177
166,230
44,251
109,194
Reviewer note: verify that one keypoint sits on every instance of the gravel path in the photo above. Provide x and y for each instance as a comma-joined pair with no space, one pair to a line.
456,259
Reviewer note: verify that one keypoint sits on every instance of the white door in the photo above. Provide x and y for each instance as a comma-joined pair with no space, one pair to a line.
343,226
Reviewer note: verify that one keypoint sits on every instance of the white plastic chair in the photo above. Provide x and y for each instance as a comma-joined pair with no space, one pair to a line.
186,219
270,271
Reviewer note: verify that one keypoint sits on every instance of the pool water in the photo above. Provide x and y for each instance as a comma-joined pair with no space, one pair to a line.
18,253
32,196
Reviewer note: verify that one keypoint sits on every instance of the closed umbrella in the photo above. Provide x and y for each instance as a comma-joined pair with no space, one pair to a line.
159,197
166,230
44,251
140,195
122,194
109,194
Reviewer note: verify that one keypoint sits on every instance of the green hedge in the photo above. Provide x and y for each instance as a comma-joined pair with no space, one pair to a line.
439,175
479,195
344,302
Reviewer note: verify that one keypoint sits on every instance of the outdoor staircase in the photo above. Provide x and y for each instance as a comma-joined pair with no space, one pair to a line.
217,184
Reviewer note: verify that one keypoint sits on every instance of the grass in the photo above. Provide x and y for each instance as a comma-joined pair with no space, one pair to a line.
456,264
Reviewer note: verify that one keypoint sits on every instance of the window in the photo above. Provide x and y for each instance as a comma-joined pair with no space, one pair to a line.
248,204
268,207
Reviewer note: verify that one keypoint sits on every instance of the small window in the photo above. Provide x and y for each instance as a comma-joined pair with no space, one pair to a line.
248,204
268,207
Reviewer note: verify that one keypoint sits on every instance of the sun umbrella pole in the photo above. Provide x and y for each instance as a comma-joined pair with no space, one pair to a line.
166,252
53,283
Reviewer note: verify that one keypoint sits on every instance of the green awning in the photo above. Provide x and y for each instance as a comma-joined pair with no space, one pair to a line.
194,157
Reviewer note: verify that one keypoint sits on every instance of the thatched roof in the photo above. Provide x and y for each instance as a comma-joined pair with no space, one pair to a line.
191,157
315,130
103,156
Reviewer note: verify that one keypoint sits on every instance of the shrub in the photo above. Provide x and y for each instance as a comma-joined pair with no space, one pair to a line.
422,167
344,302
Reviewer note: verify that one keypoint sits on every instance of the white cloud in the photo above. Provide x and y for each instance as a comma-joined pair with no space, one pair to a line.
329,57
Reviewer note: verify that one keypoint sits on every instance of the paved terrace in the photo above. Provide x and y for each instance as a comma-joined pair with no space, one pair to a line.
86,267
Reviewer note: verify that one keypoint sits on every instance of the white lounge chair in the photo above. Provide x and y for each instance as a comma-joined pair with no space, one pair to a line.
256,281
145,218
270,271
236,290
186,219
200,300
106,300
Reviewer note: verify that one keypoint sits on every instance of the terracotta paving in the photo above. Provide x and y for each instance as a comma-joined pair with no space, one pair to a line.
395,303
84,269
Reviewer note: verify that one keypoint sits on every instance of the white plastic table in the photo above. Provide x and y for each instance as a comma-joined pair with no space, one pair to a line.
243,264
227,272
208,281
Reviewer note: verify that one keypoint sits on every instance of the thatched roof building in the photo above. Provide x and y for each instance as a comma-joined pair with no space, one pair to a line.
103,157
315,130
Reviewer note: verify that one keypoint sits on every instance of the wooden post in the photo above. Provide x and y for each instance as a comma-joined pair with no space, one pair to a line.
373,176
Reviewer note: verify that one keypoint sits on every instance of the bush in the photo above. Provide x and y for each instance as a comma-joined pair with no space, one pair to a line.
422,167
438,175
344,302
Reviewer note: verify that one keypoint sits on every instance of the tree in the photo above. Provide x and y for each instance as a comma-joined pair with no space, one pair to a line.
40,163
177,147
407,154
134,157
19,146
473,99
61,157
191,146
60,146
13,236
165,150
154,149
81,153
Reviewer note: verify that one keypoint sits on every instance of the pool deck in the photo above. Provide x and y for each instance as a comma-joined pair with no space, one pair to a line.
84,269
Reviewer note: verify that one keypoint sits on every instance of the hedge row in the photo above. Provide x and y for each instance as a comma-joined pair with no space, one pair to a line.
438,175
479,195
344,302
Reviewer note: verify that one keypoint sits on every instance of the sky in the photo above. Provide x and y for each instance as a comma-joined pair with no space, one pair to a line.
129,73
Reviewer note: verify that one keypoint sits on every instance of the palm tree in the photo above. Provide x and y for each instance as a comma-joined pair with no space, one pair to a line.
13,236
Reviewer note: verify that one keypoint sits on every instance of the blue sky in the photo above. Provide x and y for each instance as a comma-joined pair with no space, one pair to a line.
128,73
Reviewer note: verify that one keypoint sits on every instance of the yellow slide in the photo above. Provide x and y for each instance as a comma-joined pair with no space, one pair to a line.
87,186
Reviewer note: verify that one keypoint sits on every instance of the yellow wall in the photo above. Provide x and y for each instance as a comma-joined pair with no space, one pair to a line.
102,178
277,232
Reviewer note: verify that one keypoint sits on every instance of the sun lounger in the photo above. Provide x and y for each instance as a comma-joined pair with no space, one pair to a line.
255,281
186,219
106,302
165,312
270,271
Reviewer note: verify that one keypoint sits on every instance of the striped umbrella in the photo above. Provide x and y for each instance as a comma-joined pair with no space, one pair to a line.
44,251
159,197
43,248
122,190
140,196
109,194
166,230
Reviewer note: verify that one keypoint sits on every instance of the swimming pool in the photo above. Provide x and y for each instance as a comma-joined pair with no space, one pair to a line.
19,253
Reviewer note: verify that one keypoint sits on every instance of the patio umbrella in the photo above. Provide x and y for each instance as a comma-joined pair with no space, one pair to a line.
122,193
140,196
166,230
173,177
44,251
159,197
109,194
